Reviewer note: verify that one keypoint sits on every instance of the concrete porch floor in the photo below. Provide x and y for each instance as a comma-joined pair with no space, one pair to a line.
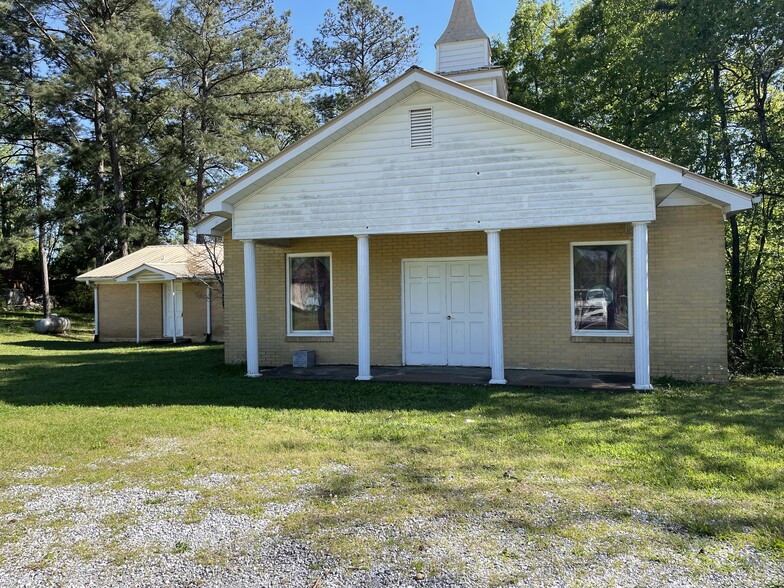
460,375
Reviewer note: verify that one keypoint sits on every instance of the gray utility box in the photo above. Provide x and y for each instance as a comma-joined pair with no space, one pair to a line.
304,358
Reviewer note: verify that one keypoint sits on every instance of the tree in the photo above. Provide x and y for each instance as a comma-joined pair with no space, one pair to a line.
524,55
236,102
25,130
358,47
100,53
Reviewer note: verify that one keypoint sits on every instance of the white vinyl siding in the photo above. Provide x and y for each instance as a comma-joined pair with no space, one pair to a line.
480,174
463,55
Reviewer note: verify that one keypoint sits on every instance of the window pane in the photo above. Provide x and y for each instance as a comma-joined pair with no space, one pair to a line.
311,308
601,291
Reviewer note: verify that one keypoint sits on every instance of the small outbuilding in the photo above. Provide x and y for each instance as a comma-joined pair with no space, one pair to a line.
160,292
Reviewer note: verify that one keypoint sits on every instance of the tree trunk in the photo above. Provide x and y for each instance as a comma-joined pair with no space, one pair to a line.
735,295
99,172
201,189
116,163
40,212
5,227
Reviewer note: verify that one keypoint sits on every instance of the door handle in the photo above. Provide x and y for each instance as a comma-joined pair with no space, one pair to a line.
449,317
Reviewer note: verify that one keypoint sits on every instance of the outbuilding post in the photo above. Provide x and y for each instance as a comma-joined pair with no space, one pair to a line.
138,314
174,312
95,306
209,313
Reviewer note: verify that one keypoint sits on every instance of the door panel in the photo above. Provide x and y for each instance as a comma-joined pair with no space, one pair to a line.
446,313
176,308
467,314
424,323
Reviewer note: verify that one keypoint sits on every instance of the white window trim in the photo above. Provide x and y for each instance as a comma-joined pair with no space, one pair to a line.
289,331
604,333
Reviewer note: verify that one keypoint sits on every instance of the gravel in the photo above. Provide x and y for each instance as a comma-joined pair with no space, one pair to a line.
105,535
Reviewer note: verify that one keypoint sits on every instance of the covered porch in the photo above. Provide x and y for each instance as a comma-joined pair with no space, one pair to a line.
525,291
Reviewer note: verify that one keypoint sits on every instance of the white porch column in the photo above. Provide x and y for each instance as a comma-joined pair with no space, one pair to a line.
363,306
95,305
642,352
174,312
496,315
138,314
209,312
251,318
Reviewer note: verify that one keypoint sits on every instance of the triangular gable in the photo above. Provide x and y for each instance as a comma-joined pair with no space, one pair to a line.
146,273
478,173
663,174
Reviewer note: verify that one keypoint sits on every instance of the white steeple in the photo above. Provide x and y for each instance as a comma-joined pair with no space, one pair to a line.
463,53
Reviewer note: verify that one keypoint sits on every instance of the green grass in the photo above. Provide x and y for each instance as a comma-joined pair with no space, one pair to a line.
702,463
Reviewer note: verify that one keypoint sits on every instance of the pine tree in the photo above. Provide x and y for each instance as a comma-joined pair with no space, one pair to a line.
358,47
236,102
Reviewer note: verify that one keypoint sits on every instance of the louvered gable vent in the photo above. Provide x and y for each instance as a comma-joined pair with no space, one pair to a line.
422,127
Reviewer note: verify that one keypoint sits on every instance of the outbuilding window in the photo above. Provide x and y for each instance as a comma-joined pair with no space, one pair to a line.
309,294
601,297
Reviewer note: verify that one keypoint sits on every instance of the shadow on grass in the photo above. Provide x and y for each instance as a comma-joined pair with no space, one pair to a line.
88,374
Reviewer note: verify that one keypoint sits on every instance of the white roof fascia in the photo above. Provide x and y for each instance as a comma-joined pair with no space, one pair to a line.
730,199
215,226
126,277
89,281
663,172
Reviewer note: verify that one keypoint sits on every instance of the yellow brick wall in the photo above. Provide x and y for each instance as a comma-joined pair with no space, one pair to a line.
686,292
117,312
194,319
233,301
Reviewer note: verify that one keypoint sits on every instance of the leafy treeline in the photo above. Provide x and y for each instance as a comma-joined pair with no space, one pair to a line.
118,118
697,82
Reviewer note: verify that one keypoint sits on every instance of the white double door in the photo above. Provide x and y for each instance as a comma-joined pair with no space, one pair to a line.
172,309
446,312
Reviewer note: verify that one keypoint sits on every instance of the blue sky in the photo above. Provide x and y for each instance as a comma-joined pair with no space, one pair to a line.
432,17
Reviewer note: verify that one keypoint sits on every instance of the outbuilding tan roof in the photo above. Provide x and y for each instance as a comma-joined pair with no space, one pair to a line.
463,25
179,261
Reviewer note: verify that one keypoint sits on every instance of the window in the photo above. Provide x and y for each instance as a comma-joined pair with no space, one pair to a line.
600,289
309,294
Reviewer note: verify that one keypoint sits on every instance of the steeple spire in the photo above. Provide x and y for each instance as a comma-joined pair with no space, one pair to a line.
463,25
463,53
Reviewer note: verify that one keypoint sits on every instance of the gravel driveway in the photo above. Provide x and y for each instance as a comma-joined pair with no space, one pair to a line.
83,535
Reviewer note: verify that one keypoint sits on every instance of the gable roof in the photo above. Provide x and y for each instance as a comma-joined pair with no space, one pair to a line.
463,25
168,262
665,176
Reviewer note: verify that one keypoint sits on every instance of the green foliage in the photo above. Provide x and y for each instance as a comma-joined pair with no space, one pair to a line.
358,47
79,298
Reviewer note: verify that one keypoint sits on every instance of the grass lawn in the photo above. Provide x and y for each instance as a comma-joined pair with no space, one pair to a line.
690,476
